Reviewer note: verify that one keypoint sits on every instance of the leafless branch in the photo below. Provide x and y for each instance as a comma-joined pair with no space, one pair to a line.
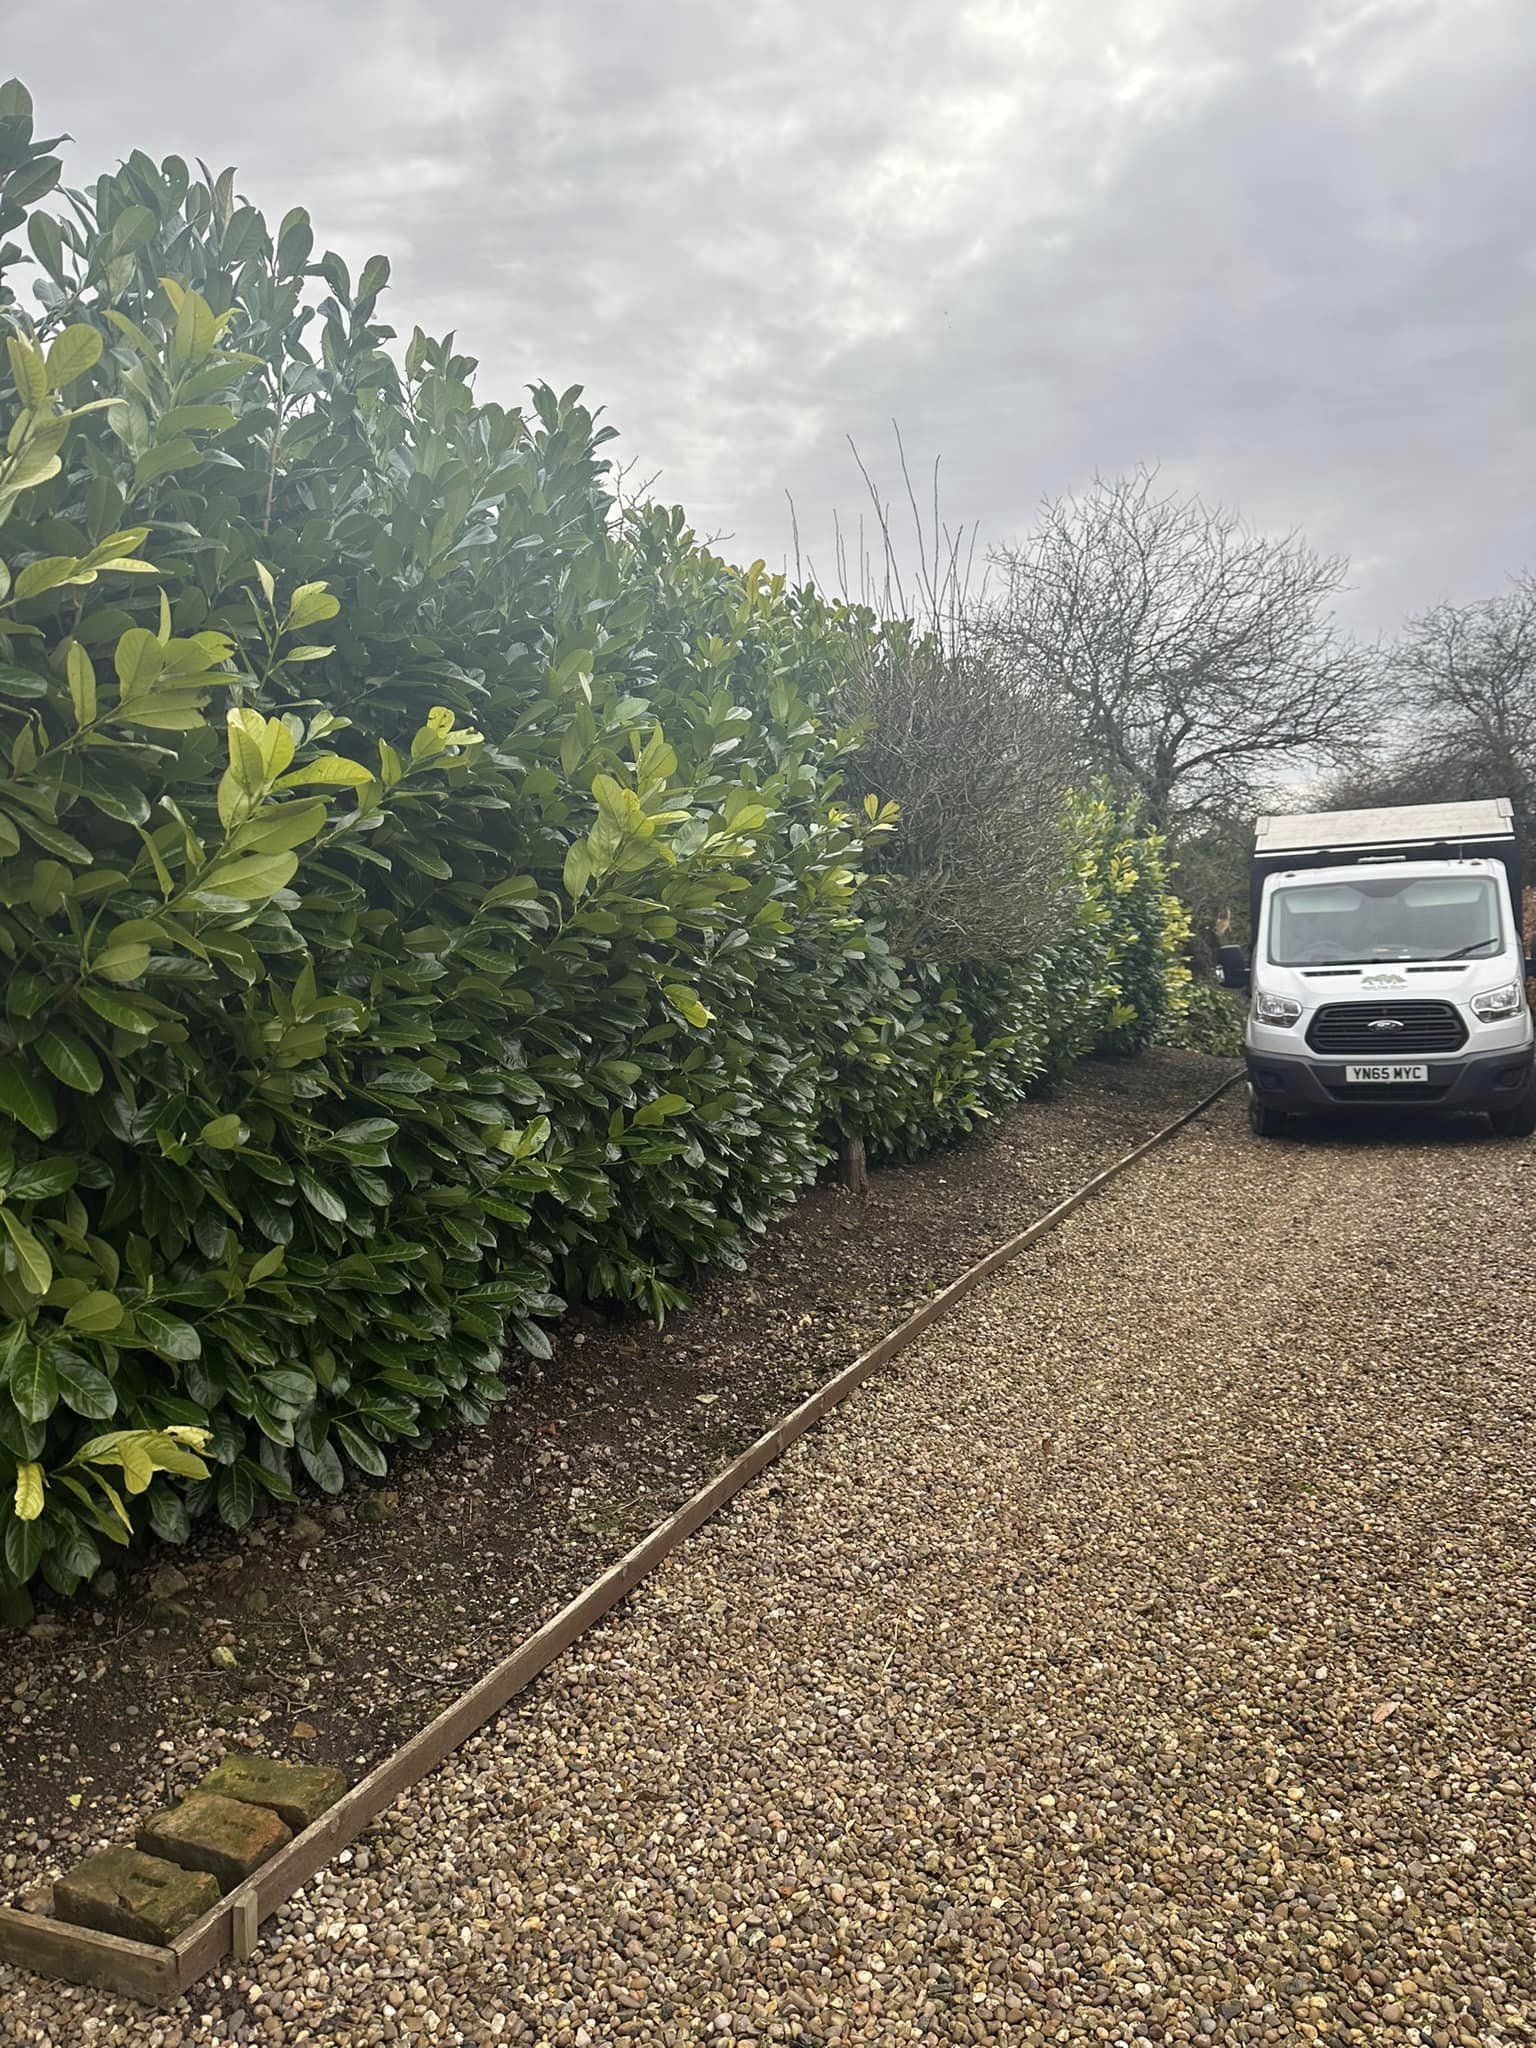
1192,653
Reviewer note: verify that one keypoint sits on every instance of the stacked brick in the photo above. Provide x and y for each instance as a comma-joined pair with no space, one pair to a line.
186,1858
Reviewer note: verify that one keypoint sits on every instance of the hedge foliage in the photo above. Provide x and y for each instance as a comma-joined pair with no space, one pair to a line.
425,896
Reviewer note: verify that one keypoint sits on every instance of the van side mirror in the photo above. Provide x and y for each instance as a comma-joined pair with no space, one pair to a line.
1232,966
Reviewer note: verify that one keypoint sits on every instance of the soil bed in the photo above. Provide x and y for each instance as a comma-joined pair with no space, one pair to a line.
352,1623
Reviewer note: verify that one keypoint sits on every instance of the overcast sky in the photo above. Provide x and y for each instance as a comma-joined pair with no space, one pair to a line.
1286,248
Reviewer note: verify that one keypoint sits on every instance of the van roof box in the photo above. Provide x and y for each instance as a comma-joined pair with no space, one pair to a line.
1400,826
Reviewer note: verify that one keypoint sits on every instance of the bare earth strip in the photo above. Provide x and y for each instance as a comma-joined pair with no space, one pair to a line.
1144,1657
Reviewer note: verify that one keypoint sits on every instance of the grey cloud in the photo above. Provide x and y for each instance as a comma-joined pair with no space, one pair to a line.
1285,251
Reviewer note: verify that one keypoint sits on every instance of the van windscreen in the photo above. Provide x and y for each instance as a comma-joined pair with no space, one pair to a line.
1398,917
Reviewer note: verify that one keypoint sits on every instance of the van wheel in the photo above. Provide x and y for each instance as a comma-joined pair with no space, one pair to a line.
1519,1122
1263,1121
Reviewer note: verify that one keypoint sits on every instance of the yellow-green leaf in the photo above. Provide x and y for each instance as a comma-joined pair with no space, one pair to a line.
328,771
32,1262
82,683
310,603
95,1313
46,574
27,370
71,354
687,1004
197,330
578,870
221,1132
115,546
29,1492
278,828
166,1453
122,962
138,660
133,332
162,710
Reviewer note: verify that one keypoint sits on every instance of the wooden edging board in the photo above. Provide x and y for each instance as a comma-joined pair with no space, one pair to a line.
158,1975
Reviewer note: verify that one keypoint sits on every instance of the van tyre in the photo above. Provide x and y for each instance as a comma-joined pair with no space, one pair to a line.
1263,1121
1519,1122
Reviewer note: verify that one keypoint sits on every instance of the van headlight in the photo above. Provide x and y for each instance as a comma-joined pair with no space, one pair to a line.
1275,1009
1498,1002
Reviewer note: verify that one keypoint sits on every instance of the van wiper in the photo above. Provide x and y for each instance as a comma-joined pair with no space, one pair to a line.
1476,946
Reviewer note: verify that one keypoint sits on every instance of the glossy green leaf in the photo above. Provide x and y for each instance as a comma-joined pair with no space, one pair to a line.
85,1388
33,1383
26,1097
70,1060
168,1334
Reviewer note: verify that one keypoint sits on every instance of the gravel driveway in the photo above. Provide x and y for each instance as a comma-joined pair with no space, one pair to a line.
1144,1657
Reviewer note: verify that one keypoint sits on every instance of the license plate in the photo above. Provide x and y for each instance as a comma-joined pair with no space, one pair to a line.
1386,1073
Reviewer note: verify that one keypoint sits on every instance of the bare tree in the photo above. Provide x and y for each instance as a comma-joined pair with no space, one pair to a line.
1194,655
1467,674
1462,688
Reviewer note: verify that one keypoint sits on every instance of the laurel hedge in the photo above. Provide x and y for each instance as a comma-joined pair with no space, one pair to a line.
426,896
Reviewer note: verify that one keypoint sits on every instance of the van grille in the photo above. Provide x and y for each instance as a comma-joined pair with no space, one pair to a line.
1419,1028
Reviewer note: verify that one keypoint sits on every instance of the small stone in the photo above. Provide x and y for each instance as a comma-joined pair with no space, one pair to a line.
104,1585
297,1793
133,1895
222,1657
306,1531
168,1582
224,1836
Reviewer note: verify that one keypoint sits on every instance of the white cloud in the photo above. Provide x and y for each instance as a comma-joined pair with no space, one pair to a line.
1284,249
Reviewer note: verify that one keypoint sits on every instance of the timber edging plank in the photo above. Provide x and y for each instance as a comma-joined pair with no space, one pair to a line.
54,1948
158,1975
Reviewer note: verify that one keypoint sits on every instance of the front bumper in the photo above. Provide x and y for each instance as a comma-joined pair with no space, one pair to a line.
1494,1080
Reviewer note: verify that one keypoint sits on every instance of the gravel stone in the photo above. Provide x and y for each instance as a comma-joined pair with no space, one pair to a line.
1143,1657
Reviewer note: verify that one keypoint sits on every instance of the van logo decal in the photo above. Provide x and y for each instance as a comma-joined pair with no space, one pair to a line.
1385,1024
1385,981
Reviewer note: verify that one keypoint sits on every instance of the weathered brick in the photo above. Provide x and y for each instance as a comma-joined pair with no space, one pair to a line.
223,1836
141,1898
297,1793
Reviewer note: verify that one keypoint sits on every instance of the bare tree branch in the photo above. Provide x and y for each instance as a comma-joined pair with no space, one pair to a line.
1190,651
979,766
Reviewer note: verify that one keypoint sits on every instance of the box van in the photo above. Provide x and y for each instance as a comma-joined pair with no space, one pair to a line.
1388,969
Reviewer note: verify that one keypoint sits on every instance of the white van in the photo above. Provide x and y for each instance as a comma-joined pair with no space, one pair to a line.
1388,969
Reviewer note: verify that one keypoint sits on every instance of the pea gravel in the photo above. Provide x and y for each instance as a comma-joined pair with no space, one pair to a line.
1143,1657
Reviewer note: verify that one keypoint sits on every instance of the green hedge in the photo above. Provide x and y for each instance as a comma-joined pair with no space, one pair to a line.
1211,1021
424,896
